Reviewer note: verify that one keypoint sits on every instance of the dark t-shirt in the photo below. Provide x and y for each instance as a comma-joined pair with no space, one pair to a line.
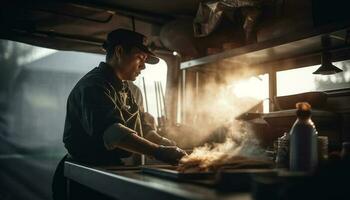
97,101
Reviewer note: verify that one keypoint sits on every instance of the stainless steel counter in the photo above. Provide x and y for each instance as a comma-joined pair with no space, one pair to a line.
133,184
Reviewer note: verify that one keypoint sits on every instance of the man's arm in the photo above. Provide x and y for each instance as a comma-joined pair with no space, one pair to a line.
134,143
101,118
120,136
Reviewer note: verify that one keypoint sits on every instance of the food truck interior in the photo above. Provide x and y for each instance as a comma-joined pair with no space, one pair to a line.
225,90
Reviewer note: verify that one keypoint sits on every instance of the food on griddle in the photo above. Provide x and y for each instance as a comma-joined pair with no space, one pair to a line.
239,151
202,164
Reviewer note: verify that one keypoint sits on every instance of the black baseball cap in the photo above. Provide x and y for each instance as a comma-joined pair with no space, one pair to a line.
130,38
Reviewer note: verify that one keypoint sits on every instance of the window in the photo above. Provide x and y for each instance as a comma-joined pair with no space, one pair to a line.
153,74
256,87
219,102
302,80
35,84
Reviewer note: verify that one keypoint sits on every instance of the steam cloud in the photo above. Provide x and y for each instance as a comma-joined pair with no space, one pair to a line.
221,138
240,146
212,109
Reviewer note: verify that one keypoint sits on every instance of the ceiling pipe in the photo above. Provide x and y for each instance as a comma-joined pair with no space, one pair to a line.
137,14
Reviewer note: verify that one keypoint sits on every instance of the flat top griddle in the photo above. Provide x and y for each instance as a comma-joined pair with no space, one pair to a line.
171,172
225,179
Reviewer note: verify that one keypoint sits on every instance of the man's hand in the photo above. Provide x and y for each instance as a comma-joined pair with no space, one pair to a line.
169,154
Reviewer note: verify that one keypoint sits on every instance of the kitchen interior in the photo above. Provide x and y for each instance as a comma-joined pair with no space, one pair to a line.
257,93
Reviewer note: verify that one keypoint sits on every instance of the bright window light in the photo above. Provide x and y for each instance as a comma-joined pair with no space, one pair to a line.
301,80
255,87
152,74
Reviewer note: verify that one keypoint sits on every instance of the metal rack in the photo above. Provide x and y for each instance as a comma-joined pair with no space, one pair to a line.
288,47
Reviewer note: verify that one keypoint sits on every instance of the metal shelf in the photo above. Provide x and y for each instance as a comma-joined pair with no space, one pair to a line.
291,46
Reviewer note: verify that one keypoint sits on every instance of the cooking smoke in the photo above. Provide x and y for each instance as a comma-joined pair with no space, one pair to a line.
212,125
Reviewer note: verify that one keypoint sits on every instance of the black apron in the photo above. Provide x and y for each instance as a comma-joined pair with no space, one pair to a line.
59,182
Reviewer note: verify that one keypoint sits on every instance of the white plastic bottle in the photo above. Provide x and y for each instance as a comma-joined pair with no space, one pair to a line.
303,141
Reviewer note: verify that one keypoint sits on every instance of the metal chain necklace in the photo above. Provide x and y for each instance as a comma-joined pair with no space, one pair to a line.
123,94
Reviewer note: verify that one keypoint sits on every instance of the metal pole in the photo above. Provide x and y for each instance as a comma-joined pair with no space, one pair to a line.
183,96
144,91
195,118
163,98
159,100
272,89
155,88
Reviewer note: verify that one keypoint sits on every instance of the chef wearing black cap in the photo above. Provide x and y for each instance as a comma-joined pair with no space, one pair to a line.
103,122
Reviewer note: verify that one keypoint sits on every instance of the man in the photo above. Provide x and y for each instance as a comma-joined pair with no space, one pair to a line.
103,122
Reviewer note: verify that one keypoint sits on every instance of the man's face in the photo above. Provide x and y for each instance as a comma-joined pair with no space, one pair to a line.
132,63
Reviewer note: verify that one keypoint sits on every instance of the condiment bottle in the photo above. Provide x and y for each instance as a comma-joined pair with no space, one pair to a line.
345,152
282,157
303,141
